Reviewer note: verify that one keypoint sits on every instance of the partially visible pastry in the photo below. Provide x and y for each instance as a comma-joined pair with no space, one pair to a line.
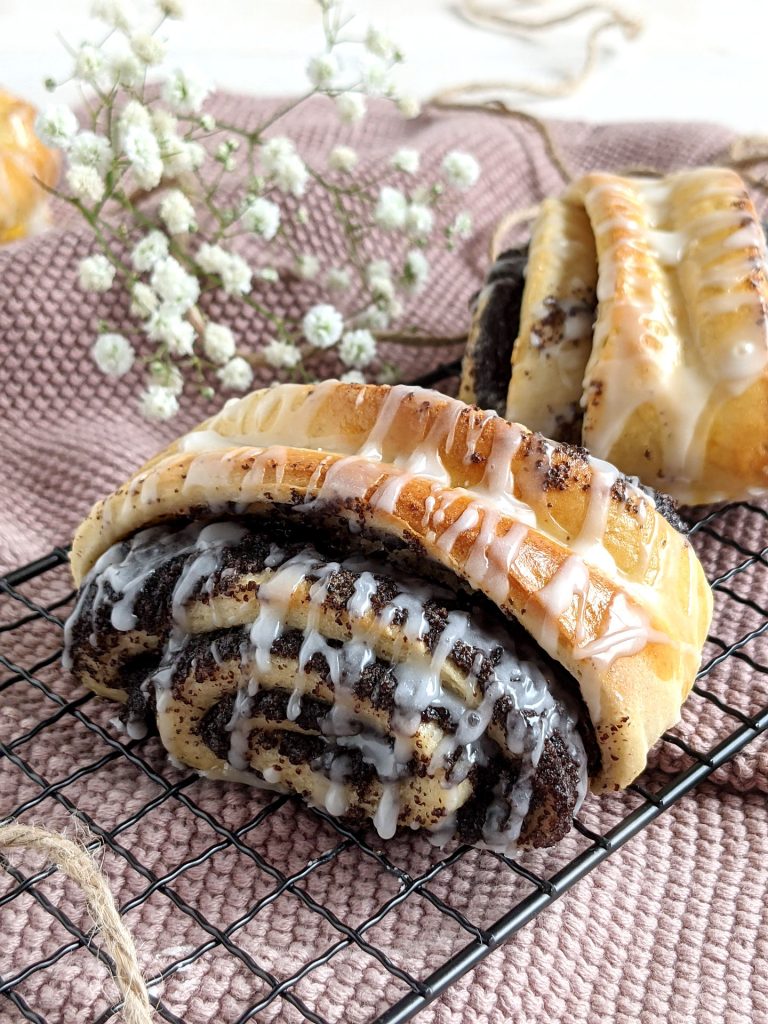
672,380
23,159
395,604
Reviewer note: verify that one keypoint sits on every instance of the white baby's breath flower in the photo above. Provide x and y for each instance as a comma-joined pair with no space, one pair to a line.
192,156
218,343
89,63
143,151
407,160
113,354
86,182
167,376
56,126
178,155
235,275
307,266
134,115
337,279
374,318
281,160
323,325
391,209
357,348
374,76
91,150
269,274
177,213
342,158
462,225
144,302
461,170
409,107
415,271
163,122
171,8
184,92
383,292
178,289
211,258
166,325
419,221
173,153
292,176
281,355
116,13
275,150
322,70
158,403
224,155
237,375
125,69
379,44
352,377
95,273
376,269
350,107
148,48
262,216
149,251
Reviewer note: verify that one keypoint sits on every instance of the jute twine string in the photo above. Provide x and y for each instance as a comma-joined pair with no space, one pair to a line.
76,863
485,15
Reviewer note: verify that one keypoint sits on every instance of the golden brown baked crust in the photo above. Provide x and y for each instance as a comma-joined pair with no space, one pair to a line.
555,539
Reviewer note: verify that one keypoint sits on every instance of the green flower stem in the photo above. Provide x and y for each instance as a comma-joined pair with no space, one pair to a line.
413,340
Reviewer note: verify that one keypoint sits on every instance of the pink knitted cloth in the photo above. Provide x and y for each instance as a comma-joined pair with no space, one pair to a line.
670,929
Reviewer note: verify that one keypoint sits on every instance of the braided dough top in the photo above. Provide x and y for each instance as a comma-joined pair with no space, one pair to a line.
557,540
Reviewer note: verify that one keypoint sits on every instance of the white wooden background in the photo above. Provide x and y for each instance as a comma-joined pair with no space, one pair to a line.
696,59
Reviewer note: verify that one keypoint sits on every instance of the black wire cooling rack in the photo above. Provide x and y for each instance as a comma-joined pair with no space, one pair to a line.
731,541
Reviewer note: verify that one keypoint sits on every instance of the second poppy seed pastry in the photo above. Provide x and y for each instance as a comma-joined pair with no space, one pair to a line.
670,381
395,604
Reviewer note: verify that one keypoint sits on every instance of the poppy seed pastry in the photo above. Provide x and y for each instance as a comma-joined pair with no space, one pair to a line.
643,331
395,604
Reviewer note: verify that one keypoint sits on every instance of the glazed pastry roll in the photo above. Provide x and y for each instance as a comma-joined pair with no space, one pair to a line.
674,375
402,608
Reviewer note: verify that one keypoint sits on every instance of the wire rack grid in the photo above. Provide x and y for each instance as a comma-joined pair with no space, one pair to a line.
37,596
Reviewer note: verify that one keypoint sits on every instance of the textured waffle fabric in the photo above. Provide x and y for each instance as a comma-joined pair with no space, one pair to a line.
671,929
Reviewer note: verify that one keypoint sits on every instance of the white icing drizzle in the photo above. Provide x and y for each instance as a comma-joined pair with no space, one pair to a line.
589,541
337,799
468,520
628,631
497,482
385,818
373,446
571,581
